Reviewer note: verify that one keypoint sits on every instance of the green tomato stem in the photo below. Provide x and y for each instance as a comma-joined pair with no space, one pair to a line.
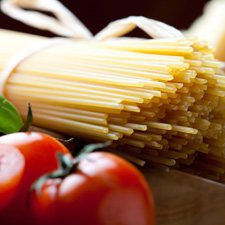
66,165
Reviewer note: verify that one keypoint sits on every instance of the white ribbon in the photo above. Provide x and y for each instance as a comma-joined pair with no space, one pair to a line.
152,27
67,24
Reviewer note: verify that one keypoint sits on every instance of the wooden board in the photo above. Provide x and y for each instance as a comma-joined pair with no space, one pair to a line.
183,199
180,198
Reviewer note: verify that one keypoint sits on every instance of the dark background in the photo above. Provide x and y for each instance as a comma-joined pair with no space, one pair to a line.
96,14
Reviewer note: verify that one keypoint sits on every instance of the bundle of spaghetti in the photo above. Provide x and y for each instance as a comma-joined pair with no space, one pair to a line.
160,101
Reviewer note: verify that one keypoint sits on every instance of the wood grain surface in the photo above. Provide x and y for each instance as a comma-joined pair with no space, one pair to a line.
180,198
183,199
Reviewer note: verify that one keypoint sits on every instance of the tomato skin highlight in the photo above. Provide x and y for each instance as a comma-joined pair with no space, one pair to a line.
12,165
39,151
105,190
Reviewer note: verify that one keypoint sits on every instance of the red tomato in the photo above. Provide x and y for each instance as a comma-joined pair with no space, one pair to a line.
11,170
104,190
39,151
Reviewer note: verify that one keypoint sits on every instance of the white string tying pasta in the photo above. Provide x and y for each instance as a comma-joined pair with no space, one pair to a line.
66,24
69,25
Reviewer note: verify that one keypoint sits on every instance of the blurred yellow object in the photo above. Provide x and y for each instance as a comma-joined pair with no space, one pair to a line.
210,26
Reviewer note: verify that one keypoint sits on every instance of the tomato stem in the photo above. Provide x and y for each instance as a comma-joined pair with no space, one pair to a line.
90,148
66,165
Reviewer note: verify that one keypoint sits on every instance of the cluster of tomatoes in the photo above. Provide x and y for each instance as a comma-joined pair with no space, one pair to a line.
102,189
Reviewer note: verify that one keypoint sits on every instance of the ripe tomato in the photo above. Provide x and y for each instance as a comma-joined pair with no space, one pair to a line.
11,170
104,190
39,151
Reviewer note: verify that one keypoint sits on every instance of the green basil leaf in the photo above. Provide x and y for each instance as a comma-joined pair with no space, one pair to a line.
10,120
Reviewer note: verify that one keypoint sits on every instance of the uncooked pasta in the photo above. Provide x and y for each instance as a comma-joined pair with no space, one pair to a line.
161,101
